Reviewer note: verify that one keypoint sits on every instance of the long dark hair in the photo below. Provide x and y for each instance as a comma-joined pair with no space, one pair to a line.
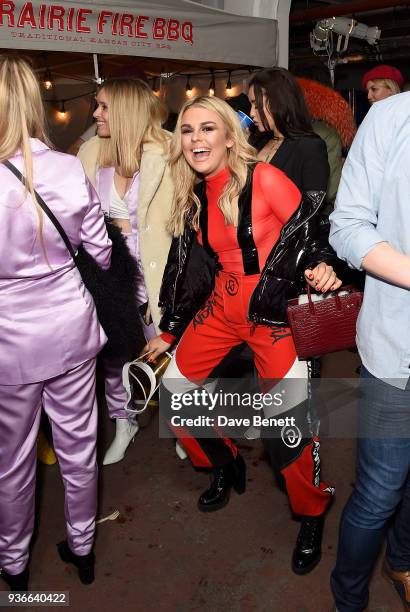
284,100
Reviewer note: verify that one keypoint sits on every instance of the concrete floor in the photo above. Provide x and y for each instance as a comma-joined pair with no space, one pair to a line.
161,554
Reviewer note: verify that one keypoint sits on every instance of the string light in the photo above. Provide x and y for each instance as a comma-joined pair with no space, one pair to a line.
47,81
212,84
188,87
229,84
155,87
62,112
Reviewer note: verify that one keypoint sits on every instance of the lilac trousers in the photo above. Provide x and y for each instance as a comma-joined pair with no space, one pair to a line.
70,403
115,393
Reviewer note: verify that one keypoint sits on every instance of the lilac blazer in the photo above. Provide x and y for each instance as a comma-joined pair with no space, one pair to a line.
48,322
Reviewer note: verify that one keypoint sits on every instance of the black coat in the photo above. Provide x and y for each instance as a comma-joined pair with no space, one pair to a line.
304,160
190,271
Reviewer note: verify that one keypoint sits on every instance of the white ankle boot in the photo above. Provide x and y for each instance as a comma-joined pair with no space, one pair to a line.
124,433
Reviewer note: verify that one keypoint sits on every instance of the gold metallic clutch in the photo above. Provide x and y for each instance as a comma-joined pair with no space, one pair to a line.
141,379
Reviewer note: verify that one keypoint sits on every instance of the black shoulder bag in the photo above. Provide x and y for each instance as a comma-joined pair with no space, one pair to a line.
113,290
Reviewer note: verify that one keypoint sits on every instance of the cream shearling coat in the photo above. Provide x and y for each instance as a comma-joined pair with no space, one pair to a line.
153,212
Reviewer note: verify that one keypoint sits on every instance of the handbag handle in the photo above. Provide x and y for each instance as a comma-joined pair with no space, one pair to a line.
43,206
337,298
310,301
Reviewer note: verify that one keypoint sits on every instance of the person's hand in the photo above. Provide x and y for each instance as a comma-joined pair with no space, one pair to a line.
155,347
323,278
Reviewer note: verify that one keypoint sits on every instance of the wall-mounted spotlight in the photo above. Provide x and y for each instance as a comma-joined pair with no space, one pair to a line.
345,28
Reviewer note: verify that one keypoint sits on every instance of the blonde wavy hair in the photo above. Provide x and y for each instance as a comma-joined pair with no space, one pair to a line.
22,117
135,117
186,205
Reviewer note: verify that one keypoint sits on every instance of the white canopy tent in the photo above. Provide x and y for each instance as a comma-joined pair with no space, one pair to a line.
167,29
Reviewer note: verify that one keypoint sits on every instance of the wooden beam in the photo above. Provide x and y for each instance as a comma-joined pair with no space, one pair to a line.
345,8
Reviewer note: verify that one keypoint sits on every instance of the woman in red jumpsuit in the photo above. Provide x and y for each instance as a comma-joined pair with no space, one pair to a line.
246,226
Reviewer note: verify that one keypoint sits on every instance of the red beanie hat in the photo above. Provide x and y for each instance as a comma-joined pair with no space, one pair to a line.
383,72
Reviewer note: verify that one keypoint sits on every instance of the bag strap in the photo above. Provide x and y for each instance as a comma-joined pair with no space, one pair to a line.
44,207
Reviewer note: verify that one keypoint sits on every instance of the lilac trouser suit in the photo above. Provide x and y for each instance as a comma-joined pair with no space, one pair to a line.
49,338
115,393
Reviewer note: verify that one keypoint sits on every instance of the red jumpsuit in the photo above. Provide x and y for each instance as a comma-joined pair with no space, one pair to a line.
222,324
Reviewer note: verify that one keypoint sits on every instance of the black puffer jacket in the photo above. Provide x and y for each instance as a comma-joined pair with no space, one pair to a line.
189,275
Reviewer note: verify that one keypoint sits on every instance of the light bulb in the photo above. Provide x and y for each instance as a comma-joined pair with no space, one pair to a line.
47,81
188,88
62,113
155,87
229,85
211,89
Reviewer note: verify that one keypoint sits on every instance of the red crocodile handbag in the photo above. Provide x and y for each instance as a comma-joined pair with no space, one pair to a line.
327,325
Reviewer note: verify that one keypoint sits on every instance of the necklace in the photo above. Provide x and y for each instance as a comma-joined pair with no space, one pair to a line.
273,148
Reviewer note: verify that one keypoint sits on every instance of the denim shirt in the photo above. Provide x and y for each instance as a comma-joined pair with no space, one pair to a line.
373,206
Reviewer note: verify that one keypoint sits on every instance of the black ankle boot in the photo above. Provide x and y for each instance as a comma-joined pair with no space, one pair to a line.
16,582
226,477
308,549
84,563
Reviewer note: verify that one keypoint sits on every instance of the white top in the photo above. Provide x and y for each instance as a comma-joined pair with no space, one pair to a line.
118,206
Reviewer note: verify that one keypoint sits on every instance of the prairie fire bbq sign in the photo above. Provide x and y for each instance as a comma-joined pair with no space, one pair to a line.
82,28
170,29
